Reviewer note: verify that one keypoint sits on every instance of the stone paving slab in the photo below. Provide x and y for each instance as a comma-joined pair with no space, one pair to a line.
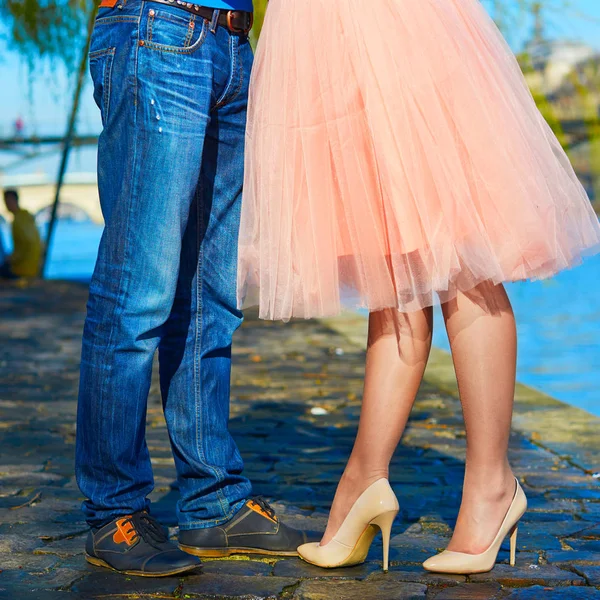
295,407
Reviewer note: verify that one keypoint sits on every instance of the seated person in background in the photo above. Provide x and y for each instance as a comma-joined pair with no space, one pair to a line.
27,244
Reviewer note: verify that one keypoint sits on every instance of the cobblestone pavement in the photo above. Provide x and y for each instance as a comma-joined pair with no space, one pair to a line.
294,414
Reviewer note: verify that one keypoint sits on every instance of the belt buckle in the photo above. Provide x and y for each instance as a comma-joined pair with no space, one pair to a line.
233,28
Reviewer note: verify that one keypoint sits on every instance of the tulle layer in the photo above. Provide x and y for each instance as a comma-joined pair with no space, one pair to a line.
395,157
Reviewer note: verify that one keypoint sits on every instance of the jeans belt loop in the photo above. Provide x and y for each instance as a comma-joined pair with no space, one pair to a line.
215,20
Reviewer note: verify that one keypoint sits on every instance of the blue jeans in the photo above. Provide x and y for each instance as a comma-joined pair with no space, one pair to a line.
173,96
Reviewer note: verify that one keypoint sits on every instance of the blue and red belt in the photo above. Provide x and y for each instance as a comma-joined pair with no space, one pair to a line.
236,21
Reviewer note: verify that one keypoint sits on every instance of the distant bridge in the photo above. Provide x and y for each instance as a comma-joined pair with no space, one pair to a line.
18,143
29,148
37,193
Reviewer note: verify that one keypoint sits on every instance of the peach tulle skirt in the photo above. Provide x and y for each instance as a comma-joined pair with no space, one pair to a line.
395,158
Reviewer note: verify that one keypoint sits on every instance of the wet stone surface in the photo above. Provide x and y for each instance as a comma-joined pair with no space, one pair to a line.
295,406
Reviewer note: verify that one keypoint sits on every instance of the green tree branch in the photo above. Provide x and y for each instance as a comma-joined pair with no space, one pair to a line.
47,28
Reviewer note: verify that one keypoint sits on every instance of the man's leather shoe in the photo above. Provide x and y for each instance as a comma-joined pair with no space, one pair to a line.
137,545
254,529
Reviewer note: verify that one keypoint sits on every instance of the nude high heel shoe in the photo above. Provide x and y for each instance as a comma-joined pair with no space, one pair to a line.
466,564
375,510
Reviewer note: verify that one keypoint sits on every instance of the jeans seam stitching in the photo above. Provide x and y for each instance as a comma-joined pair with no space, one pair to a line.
150,26
224,96
122,19
108,82
135,155
101,53
190,32
197,371
197,343
241,80
122,278
197,354
240,67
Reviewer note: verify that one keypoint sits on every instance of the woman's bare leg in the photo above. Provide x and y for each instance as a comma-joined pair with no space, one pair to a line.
397,353
482,333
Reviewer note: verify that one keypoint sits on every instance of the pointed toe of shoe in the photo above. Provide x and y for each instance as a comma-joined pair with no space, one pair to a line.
446,562
309,552
330,556
457,563
433,563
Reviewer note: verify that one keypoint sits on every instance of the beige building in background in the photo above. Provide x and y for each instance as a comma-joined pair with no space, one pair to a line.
553,61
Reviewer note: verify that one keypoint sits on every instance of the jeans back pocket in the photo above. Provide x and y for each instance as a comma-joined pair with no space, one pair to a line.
101,62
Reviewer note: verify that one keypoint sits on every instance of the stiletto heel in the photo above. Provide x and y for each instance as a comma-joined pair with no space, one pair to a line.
513,544
466,564
385,522
374,511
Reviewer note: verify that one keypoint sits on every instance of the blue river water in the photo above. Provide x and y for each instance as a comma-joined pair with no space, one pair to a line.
558,319
559,334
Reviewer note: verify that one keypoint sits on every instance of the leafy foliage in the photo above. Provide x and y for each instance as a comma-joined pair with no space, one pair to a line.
48,28
260,7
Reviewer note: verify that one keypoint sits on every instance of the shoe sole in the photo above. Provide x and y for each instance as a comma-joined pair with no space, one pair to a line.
224,552
98,562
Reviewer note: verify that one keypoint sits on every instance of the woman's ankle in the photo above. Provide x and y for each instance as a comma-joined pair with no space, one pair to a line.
360,474
490,485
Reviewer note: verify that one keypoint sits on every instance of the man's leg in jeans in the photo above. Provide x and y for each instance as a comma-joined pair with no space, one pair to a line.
195,356
158,189
155,108
216,515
